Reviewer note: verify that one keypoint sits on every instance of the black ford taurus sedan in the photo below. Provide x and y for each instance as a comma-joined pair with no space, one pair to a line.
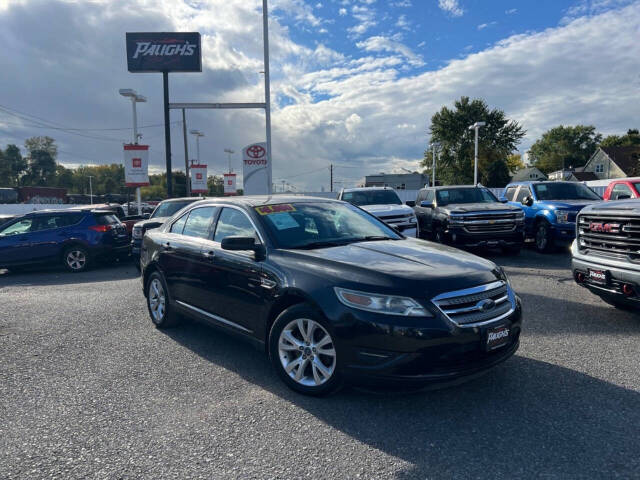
331,293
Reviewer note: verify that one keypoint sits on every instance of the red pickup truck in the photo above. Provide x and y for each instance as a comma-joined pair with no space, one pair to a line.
621,189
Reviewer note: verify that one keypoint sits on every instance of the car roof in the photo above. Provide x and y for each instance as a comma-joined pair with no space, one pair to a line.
184,199
536,182
260,200
361,189
450,187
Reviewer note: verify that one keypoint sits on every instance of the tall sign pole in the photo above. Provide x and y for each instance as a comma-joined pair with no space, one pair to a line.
167,132
267,86
186,154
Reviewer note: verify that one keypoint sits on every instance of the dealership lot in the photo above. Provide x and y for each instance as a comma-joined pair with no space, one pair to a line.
89,388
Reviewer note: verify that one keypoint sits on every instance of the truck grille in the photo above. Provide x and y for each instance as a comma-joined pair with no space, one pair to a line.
609,235
477,305
487,222
395,218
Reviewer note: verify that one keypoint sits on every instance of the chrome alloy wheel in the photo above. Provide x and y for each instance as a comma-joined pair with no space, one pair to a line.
307,352
76,259
157,300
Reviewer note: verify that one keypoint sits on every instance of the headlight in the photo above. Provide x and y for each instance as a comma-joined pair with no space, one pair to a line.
136,232
456,220
385,304
502,275
562,216
412,220
520,216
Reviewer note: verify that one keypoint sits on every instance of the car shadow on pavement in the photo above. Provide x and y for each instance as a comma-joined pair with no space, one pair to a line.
38,276
529,258
525,418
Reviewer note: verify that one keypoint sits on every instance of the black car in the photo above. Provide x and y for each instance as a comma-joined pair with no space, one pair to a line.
331,292
470,217
74,238
163,211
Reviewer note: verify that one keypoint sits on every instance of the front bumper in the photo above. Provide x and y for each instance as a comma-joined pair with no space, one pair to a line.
460,237
618,275
419,352
563,234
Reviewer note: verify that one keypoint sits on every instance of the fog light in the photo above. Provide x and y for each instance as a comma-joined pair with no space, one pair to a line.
580,277
628,289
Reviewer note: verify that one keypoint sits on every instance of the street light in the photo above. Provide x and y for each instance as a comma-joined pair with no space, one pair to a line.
135,98
230,152
435,146
476,126
197,134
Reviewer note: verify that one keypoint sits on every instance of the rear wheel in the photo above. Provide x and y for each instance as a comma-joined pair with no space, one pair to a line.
160,310
303,352
75,259
544,242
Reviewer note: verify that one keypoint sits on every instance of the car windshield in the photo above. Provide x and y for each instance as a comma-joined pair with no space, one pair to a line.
564,191
167,209
465,195
322,224
372,197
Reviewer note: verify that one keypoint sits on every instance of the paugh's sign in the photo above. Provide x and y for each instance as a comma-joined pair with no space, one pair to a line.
164,52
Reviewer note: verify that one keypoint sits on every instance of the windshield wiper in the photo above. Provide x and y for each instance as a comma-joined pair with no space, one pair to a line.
323,244
371,238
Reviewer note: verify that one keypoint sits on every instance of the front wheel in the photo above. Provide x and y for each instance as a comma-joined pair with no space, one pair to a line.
75,259
303,351
438,235
544,242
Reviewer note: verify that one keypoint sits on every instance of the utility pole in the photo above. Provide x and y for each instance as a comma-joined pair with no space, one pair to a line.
267,84
186,155
167,132
135,98
331,170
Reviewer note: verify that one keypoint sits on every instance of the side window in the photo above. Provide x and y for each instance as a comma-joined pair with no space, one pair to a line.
234,223
198,222
431,195
178,225
522,194
511,193
22,226
69,219
620,190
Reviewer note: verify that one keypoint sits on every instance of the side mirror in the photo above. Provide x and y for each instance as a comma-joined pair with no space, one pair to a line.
503,200
527,201
242,244
425,204
410,203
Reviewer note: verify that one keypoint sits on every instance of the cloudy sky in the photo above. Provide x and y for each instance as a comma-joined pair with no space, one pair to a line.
354,82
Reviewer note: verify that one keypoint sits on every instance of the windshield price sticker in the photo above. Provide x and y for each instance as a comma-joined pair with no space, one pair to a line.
283,221
271,209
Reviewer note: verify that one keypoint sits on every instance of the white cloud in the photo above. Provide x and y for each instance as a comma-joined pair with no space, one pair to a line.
342,12
482,26
511,11
452,7
381,43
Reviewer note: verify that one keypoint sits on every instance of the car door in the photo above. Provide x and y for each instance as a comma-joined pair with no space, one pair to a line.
15,242
180,255
49,233
232,292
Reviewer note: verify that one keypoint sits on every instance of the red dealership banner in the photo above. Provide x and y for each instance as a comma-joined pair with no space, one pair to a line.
199,179
230,184
136,165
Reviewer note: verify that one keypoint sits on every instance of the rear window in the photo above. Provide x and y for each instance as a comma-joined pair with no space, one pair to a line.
106,219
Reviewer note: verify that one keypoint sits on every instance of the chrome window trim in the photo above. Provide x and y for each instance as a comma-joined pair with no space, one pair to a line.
240,209
214,317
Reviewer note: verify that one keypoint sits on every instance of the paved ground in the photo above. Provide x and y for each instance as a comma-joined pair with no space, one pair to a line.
89,389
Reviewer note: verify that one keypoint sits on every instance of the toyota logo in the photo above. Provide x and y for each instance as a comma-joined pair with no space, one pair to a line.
486,305
256,151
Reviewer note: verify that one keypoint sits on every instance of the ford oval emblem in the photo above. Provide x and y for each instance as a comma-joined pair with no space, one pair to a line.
486,305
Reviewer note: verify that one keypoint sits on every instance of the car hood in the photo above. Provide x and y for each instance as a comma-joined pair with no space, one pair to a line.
629,206
566,204
387,210
479,207
151,222
400,265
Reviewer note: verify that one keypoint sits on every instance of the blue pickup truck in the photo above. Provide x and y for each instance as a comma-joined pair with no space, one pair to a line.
550,210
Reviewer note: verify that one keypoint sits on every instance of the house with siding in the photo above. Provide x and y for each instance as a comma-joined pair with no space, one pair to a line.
528,174
614,162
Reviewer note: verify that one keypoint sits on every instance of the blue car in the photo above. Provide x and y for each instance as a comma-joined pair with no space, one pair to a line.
73,238
550,210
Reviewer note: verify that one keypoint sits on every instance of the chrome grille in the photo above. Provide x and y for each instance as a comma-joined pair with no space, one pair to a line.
609,235
489,222
477,305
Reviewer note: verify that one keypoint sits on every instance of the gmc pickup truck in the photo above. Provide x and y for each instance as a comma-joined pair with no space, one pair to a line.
606,252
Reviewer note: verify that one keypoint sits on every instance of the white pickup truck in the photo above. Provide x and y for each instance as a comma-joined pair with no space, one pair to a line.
384,203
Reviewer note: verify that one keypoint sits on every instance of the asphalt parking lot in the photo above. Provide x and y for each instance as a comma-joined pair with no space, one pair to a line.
90,389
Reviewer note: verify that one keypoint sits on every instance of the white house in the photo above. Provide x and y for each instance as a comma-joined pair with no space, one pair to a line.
614,162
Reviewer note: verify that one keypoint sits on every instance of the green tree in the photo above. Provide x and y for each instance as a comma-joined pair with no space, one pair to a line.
14,166
46,144
630,139
498,174
41,170
450,128
564,147
514,162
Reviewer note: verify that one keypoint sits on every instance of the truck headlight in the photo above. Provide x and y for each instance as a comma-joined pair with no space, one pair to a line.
562,216
136,232
520,216
385,304
412,219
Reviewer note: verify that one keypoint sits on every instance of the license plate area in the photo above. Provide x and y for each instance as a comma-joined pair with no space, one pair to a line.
601,277
497,337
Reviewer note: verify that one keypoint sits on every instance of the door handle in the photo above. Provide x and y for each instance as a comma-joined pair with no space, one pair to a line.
167,247
210,255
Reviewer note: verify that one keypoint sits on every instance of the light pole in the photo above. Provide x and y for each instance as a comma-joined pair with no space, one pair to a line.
135,98
90,189
197,134
435,146
229,152
476,126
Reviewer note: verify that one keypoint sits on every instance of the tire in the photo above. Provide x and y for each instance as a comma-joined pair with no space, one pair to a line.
75,259
160,311
438,235
298,358
543,240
